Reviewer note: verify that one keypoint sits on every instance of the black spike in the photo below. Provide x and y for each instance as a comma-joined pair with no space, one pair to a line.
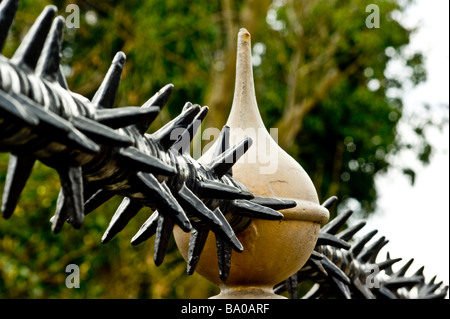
97,199
125,116
49,61
72,190
388,268
69,205
291,286
329,202
19,170
274,203
348,233
333,226
106,93
147,230
124,213
163,234
213,189
183,143
163,199
223,142
101,133
402,271
359,245
371,253
342,288
363,289
386,293
395,283
247,208
224,257
193,205
159,99
8,9
388,263
135,159
62,79
30,49
13,108
319,266
331,240
169,133
419,272
222,164
197,241
334,271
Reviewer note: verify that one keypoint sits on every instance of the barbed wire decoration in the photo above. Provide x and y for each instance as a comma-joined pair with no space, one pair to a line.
99,151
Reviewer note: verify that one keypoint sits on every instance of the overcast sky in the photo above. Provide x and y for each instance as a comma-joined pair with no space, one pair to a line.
416,218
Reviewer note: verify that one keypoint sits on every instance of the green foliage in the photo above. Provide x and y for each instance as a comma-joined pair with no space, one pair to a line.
320,79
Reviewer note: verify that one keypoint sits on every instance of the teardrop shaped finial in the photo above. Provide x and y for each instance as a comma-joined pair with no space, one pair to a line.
245,110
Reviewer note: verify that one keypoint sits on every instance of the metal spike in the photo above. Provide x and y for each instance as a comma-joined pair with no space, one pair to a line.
197,241
19,170
62,79
193,205
169,133
49,61
333,226
224,257
8,9
147,230
163,234
291,286
61,214
371,253
222,164
274,203
247,208
342,287
331,240
223,142
30,49
163,199
388,268
329,202
125,116
363,289
135,159
402,271
183,143
388,263
386,293
13,108
72,190
395,283
96,200
159,99
213,189
359,245
101,133
319,266
419,272
334,271
124,213
106,93
348,233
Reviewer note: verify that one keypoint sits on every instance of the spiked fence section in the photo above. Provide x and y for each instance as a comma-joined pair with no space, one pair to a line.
100,152
350,270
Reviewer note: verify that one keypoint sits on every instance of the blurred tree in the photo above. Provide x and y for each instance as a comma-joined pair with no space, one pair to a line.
321,79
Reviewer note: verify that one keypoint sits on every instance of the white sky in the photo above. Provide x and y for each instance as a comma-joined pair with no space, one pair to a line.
416,219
